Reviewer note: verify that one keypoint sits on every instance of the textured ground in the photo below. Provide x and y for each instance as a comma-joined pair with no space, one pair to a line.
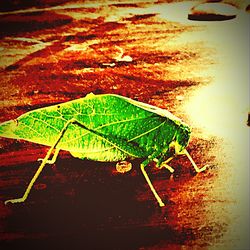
55,51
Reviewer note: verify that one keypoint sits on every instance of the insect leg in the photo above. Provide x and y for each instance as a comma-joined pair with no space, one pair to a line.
39,170
197,169
160,163
27,191
118,142
143,165
53,160
165,165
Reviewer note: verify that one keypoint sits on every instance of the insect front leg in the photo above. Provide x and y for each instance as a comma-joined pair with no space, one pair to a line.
143,165
164,164
39,170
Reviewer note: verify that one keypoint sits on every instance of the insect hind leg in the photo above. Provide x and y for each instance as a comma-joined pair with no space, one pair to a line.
44,162
53,159
28,189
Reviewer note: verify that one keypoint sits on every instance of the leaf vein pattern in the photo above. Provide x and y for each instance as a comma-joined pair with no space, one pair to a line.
115,146
102,126
93,112
29,127
55,117
36,119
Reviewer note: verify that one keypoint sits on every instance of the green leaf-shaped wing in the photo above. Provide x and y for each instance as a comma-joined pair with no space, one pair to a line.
106,128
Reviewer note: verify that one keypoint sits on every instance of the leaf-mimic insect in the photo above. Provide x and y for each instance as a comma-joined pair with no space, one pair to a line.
104,128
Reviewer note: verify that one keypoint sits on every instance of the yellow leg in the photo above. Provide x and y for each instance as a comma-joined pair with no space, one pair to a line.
27,191
165,165
197,169
161,204
39,170
53,160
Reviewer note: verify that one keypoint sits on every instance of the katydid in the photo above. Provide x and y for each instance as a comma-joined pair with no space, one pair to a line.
106,128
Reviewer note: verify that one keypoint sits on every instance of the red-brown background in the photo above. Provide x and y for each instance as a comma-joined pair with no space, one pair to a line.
56,51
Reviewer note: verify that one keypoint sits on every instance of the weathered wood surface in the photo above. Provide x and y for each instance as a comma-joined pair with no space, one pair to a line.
152,53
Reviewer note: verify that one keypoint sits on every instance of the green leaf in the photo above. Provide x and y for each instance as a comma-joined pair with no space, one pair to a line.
106,128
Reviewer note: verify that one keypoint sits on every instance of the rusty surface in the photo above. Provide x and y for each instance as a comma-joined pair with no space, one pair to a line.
56,51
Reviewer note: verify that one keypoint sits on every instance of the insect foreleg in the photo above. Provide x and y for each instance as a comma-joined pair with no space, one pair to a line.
161,163
44,161
197,169
165,165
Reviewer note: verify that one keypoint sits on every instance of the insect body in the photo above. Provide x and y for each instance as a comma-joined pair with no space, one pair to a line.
103,128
